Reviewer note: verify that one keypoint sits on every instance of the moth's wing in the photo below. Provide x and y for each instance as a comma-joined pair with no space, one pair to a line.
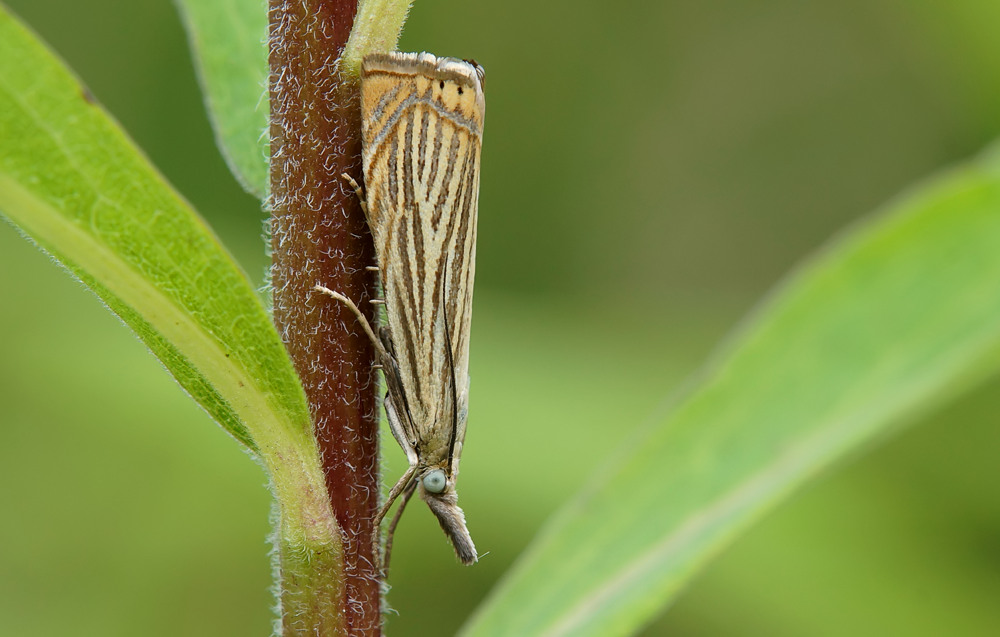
397,392
422,127
382,97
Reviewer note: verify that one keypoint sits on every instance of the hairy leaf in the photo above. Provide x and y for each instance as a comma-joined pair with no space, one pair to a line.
73,182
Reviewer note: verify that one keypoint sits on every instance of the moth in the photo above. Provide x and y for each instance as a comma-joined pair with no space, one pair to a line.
422,126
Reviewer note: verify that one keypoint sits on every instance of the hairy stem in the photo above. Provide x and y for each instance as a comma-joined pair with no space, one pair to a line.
319,236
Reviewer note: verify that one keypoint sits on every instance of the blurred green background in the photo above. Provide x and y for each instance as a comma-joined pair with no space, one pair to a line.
650,170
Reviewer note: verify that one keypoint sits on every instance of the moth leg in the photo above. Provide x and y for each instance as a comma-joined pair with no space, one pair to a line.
365,325
358,191
399,433
391,531
405,485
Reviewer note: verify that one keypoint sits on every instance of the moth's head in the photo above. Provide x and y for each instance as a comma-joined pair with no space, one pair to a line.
437,489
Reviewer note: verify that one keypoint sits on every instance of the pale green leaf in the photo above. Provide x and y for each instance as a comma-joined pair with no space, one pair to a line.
377,26
73,182
229,45
899,314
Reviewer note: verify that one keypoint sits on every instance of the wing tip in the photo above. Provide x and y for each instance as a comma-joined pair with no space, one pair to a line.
467,72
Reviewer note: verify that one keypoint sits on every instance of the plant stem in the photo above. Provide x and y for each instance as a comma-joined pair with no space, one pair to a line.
319,236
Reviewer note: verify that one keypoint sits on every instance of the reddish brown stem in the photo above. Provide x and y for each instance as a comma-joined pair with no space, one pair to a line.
319,236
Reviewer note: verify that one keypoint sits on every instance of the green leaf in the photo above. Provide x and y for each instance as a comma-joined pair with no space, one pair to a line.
900,314
229,45
377,26
73,182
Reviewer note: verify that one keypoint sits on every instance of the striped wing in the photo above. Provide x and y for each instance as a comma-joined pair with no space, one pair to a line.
422,129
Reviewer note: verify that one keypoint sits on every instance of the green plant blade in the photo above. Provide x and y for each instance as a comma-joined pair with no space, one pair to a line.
229,45
73,182
896,316
377,26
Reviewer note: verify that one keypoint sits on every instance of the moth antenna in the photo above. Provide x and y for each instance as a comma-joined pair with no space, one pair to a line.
454,383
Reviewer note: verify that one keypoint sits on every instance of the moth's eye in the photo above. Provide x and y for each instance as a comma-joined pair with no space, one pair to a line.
435,481
441,85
